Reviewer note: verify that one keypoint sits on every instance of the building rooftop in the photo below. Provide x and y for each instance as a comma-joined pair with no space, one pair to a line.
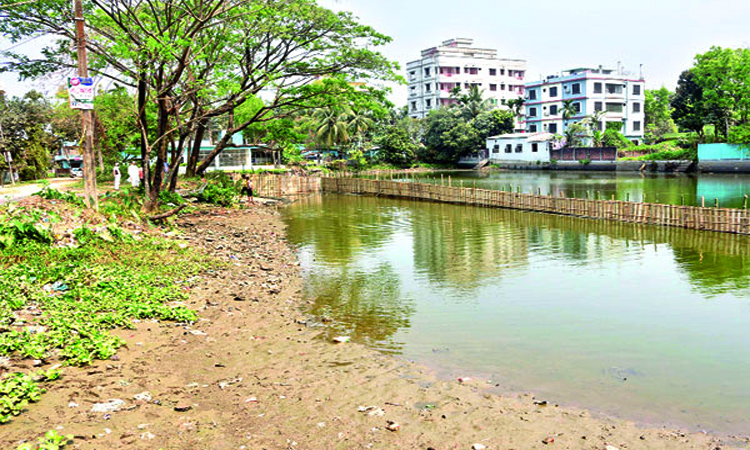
531,137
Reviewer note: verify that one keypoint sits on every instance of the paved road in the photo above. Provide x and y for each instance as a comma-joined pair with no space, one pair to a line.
9,193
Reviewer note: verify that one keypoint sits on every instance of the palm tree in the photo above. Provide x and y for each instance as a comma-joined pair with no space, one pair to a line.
332,127
568,111
472,103
359,123
516,106
594,121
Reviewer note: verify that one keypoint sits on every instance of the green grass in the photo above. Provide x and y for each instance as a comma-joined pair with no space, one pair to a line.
78,295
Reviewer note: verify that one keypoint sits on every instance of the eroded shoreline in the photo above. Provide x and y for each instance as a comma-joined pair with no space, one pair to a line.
252,373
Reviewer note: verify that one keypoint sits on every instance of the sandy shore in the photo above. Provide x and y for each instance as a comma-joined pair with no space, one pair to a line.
256,373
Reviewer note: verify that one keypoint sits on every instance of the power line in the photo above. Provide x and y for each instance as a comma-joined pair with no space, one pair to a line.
18,3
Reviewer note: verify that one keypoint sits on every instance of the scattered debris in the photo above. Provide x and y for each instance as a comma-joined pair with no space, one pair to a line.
548,440
478,447
112,405
371,410
341,339
143,397
393,426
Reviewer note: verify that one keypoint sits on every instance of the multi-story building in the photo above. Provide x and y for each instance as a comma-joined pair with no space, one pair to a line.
618,96
456,63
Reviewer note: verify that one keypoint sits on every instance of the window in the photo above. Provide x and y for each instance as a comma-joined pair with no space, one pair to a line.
534,147
428,103
614,89
493,87
413,106
597,88
614,107
509,148
553,92
553,110
532,112
496,148
493,72
598,106
502,87
457,70
577,107
576,88
427,87
519,148
552,128
636,107
532,128
636,89
502,71
637,125
427,71
532,95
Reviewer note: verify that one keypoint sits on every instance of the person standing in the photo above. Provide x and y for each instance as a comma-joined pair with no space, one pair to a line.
116,173
141,180
133,174
247,189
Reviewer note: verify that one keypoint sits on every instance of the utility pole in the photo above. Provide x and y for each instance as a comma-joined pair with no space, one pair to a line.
89,164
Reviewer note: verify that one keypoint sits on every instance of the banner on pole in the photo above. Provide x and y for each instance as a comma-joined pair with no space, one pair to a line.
8,157
81,93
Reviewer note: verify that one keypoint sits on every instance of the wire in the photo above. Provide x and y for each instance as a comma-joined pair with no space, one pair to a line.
18,3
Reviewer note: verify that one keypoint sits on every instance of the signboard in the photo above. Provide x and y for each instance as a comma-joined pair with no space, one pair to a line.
81,93
8,157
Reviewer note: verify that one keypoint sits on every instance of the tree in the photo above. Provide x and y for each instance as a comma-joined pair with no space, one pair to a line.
568,111
723,74
23,122
658,112
574,134
472,103
688,108
196,61
594,122
397,147
332,127
516,106
493,123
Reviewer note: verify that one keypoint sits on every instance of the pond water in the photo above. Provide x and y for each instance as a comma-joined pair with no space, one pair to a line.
729,189
646,323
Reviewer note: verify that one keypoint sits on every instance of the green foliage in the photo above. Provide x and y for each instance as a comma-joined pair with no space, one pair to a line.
658,113
584,162
220,190
613,138
83,293
25,135
18,228
397,147
16,392
49,193
447,137
740,135
51,440
689,110
173,198
722,79
493,123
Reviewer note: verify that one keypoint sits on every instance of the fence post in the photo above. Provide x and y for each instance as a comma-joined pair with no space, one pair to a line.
703,201
744,205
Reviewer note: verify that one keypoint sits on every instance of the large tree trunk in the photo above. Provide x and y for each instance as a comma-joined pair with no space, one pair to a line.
220,146
192,162
162,125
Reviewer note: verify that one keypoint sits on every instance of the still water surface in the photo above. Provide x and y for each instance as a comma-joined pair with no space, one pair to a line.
651,324
729,189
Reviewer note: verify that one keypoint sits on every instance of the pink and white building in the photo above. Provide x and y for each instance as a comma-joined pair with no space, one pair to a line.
456,63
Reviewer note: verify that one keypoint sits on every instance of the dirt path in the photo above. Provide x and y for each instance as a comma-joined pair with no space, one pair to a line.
14,193
254,373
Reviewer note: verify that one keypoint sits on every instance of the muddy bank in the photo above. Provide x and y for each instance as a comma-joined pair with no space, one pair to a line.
256,373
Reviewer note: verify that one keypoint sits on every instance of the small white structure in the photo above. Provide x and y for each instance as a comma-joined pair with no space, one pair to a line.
520,147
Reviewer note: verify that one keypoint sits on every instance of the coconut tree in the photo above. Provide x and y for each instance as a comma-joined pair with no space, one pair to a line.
568,111
332,127
516,106
593,121
359,122
472,103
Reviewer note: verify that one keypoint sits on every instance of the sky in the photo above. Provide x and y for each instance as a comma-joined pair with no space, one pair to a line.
555,35
552,35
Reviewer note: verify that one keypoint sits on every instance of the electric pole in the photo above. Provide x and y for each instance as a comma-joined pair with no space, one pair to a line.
89,165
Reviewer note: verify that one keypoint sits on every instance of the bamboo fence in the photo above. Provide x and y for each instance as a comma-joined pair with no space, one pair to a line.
724,220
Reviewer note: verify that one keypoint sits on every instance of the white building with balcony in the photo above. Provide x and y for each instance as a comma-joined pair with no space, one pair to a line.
456,63
619,96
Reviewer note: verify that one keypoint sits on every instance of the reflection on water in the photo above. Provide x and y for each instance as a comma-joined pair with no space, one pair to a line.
674,189
644,322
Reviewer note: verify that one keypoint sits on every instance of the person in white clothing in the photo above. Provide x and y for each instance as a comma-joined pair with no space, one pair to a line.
116,173
133,175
